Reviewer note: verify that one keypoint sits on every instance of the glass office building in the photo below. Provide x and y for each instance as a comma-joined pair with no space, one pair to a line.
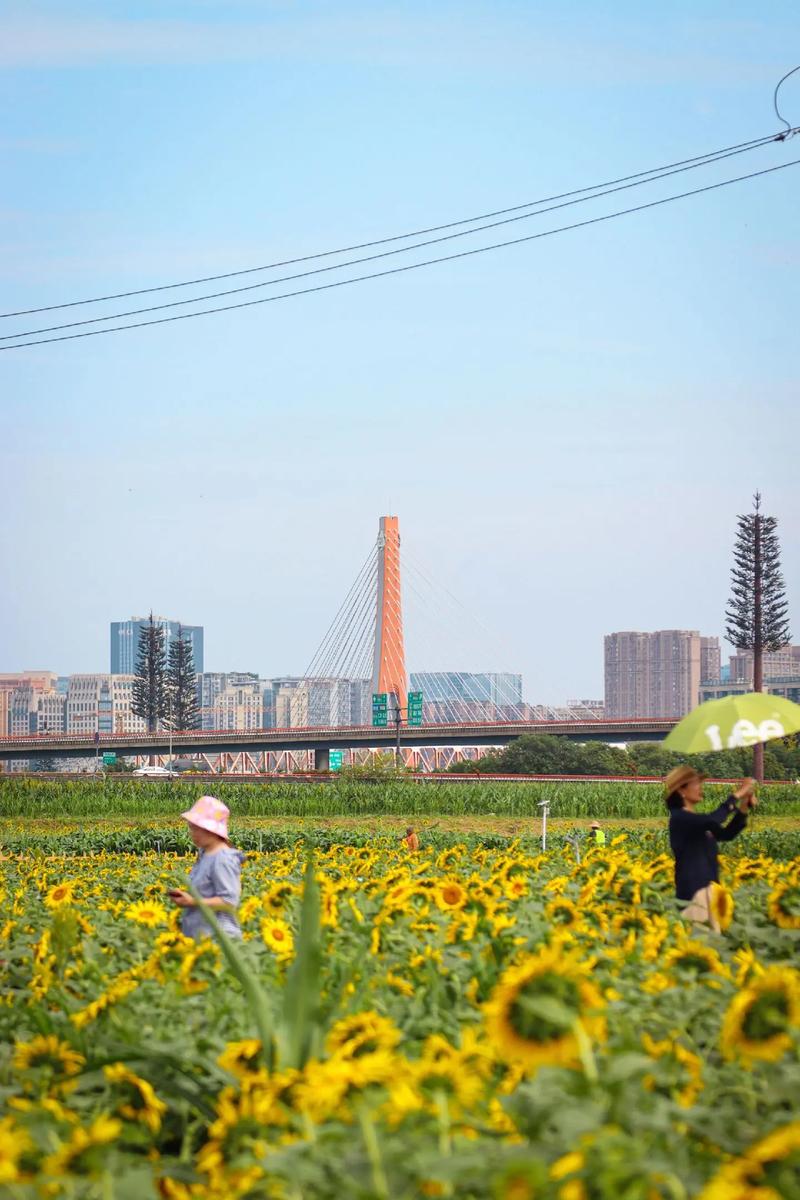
125,642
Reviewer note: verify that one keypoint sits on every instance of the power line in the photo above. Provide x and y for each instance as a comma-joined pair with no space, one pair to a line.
789,131
135,312
686,163
323,287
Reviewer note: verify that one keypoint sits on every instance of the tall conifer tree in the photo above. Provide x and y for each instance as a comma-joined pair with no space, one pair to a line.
182,683
756,616
149,686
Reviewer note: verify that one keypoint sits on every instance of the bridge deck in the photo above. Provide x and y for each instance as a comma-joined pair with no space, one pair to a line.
328,738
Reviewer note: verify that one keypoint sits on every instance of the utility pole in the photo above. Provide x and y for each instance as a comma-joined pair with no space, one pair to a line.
169,728
398,717
758,631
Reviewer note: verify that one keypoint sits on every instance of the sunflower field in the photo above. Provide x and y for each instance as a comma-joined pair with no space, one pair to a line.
464,1021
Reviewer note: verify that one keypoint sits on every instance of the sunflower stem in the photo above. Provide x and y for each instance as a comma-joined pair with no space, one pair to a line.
445,1139
588,1061
379,1181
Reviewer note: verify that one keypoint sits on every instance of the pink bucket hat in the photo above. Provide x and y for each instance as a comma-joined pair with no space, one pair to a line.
210,814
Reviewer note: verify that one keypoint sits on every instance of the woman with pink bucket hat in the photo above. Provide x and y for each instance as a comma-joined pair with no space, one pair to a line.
216,876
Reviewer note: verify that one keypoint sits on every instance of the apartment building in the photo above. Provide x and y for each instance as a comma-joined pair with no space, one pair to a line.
655,674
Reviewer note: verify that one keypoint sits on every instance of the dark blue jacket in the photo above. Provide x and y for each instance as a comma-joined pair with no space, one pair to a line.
693,837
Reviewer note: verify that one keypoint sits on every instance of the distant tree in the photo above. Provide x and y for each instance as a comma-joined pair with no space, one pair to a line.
123,766
183,709
546,754
149,686
756,616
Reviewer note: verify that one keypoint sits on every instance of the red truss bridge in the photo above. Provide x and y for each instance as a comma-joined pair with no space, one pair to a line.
246,750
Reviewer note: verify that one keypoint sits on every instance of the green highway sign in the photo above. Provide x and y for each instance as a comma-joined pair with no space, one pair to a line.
415,708
109,758
380,708
335,759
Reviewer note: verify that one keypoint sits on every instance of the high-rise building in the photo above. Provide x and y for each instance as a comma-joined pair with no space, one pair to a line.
125,642
38,683
710,659
51,713
290,702
777,664
787,687
653,674
217,704
101,704
297,702
238,708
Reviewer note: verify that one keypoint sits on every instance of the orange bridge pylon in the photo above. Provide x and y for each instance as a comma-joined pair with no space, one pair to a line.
389,669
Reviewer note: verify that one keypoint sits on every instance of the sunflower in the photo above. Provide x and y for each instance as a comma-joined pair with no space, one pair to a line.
783,905
241,1058
249,908
276,896
685,1083
760,1018
773,1160
60,894
695,958
562,911
145,912
139,1103
14,1142
533,1014
329,907
515,888
363,1033
459,1074
48,1051
450,895
720,906
629,921
278,936
76,1156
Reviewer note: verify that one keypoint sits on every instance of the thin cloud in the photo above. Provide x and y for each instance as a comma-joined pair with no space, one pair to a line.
486,44
35,145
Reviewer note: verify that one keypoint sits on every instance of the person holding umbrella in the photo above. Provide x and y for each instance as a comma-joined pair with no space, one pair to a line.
693,837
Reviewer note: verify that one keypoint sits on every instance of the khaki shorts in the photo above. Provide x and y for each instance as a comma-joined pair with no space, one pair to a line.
698,909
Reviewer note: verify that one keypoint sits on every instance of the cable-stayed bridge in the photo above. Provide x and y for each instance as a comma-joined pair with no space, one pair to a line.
357,697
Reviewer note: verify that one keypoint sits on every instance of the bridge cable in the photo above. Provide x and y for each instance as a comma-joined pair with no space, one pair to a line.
446,618
475,690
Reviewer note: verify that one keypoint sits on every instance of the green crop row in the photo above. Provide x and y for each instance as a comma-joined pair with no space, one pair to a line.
348,797
173,839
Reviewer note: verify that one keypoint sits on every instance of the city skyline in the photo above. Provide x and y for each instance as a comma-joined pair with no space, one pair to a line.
415,672
564,427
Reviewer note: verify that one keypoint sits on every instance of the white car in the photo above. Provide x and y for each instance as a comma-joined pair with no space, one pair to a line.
155,773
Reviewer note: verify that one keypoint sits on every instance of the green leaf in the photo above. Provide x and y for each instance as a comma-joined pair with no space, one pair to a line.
256,999
302,991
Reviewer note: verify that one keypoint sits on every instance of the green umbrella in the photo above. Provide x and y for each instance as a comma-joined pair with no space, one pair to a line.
734,721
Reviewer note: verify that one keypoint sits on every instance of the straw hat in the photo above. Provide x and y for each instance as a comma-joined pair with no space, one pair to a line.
210,814
595,825
680,776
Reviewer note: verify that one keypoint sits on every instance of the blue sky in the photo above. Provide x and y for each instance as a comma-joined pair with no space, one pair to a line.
566,428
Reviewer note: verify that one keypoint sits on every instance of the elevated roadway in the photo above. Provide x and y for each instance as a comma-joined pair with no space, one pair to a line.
322,739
